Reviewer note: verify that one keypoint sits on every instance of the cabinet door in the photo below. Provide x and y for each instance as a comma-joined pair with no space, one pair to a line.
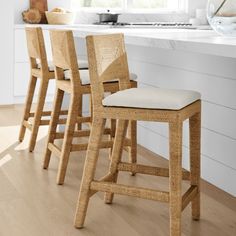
21,81
21,53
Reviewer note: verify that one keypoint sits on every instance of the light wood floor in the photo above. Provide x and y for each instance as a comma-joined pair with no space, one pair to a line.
31,204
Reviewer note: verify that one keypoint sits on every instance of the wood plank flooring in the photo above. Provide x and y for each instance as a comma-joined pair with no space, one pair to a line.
31,204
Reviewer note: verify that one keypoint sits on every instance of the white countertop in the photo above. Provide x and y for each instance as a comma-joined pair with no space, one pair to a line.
191,40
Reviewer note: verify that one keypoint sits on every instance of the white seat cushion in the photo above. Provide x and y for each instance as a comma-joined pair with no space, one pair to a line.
84,76
152,98
83,64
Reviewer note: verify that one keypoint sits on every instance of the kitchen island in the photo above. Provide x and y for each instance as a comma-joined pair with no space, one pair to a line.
184,59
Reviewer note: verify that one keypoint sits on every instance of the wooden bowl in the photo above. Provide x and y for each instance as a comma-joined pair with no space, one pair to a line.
58,18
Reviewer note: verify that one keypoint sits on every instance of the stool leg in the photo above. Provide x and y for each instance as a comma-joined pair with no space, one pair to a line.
28,104
89,170
57,104
116,154
175,181
38,112
68,138
112,135
80,112
90,110
113,131
91,106
195,160
132,134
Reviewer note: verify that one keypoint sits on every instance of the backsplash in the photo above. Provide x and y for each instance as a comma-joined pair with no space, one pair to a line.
88,17
192,5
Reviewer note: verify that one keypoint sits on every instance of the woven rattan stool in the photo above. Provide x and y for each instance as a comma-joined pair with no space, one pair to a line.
78,84
43,70
108,59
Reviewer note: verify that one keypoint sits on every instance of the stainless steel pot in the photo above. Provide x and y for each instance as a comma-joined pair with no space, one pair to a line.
108,17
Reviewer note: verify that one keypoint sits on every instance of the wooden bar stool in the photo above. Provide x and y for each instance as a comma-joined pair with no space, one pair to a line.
108,59
78,84
41,69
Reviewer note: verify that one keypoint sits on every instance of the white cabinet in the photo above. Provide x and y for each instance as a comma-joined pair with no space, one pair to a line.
21,77
20,46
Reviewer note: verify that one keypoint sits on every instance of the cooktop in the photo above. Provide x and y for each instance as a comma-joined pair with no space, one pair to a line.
167,25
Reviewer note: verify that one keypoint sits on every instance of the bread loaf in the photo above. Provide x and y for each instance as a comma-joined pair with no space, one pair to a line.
59,10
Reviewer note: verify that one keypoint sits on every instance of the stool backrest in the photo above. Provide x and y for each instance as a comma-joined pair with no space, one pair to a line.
107,61
36,48
64,56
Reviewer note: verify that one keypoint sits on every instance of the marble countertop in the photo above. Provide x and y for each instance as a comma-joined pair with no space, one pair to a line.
190,40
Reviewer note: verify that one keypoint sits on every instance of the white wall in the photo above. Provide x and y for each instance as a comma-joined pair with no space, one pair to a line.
6,49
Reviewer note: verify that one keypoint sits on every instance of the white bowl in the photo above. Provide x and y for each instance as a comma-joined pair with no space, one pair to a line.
58,18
